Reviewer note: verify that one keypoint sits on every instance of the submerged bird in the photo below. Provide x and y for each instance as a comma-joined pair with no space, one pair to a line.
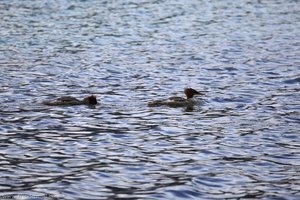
71,101
189,101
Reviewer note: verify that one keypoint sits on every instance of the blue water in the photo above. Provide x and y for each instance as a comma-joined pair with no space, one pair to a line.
241,142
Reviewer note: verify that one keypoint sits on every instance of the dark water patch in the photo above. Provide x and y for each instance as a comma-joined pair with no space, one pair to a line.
292,81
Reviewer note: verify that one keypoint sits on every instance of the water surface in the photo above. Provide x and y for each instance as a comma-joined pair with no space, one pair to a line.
240,142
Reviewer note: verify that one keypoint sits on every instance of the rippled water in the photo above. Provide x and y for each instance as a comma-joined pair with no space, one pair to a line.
241,142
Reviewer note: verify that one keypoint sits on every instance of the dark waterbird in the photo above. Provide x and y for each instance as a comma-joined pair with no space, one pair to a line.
189,101
72,101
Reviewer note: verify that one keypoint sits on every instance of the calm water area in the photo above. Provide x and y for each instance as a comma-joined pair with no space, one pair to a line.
241,141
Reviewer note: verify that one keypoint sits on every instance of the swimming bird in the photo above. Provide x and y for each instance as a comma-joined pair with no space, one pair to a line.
72,101
189,101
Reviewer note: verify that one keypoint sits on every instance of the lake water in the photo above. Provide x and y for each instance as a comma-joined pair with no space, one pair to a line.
240,142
